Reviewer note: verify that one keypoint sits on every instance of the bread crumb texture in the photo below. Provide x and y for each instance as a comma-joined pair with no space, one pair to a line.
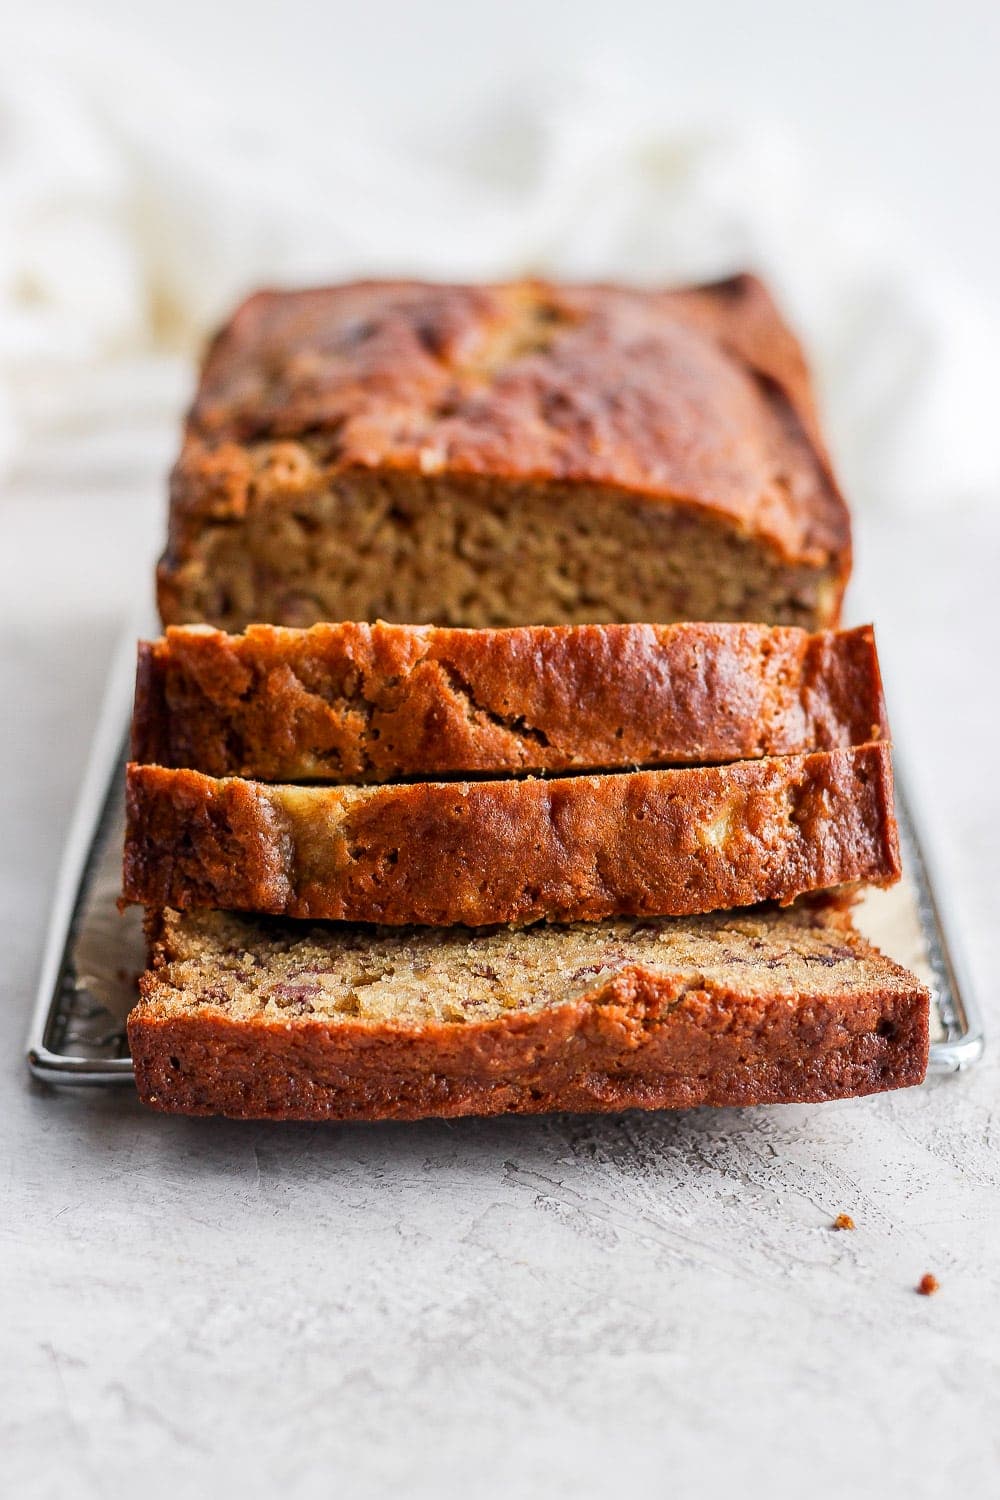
252,967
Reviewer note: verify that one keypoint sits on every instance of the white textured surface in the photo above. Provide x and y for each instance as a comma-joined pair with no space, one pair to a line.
644,1305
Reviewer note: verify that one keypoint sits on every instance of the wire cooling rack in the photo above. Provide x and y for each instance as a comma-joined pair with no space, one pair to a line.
93,953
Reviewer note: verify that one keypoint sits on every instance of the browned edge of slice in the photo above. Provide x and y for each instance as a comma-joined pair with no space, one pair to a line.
669,842
358,703
638,1038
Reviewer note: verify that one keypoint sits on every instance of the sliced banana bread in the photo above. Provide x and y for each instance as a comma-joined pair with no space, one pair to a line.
369,703
576,848
504,455
262,1019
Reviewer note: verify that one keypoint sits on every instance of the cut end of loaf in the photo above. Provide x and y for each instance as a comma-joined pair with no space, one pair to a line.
305,546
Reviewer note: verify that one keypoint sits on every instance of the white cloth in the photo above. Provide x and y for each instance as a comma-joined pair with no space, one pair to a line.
132,215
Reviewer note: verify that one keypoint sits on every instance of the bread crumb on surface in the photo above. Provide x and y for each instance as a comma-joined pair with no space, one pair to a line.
928,1285
844,1221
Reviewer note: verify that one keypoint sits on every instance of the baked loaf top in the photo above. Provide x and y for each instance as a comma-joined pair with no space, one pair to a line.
370,703
668,842
699,397
254,1017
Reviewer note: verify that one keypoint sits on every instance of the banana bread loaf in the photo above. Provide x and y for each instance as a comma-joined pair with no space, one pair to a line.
261,1019
504,455
371,703
668,842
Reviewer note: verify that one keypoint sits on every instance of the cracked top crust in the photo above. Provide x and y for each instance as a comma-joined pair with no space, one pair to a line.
574,848
698,396
353,702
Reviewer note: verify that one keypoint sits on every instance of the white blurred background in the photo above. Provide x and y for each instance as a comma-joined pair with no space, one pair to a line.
898,100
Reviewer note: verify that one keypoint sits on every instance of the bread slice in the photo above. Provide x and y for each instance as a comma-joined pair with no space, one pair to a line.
504,455
371,703
261,1019
669,842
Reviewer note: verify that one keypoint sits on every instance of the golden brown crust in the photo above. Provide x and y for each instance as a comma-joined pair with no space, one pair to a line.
697,399
697,395
668,842
648,1038
371,703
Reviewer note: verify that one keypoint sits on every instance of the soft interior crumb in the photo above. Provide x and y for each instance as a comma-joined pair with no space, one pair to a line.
928,1285
468,550
251,967
844,1221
